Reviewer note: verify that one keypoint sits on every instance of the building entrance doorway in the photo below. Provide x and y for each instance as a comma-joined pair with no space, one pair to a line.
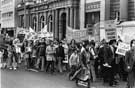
63,26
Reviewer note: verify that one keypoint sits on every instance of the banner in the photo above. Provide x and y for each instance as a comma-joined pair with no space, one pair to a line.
76,34
108,30
21,31
111,33
122,48
31,34
126,31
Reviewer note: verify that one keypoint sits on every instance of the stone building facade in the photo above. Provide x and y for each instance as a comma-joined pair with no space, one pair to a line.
57,14
77,14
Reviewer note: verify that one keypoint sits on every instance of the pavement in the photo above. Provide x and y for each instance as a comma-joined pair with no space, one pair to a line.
29,79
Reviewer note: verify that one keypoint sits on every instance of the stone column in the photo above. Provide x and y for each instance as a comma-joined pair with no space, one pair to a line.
60,27
30,18
105,10
67,16
27,21
75,18
53,22
71,17
56,24
47,20
82,13
37,22
45,17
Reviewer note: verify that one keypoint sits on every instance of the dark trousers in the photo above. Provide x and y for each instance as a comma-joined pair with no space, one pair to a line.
50,65
96,67
33,62
73,70
131,78
29,60
108,75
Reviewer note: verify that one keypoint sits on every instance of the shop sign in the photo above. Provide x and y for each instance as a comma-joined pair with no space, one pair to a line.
93,6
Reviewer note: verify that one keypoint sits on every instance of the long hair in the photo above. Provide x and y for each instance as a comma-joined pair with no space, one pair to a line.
132,41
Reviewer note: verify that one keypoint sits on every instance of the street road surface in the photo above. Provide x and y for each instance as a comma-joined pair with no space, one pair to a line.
28,79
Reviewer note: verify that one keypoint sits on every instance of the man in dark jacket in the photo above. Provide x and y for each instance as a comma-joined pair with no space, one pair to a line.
106,58
114,66
41,53
60,56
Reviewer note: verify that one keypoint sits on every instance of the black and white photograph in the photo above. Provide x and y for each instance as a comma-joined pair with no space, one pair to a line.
67,43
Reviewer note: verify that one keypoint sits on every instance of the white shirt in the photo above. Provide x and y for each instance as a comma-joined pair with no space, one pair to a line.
74,59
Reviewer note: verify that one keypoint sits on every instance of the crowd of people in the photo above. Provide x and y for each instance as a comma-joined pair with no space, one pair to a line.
59,56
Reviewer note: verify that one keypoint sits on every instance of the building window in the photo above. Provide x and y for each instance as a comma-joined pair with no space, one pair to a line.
50,24
35,23
42,22
22,20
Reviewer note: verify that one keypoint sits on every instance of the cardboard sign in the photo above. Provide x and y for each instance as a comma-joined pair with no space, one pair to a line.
122,48
111,34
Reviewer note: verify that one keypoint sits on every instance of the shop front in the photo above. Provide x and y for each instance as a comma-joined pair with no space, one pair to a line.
92,16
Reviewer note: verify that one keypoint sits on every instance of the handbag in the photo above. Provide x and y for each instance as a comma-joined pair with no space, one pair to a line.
130,67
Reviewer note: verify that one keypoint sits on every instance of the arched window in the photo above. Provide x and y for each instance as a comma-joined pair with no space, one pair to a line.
42,22
50,24
35,23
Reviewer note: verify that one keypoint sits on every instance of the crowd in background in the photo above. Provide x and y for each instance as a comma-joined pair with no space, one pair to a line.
60,56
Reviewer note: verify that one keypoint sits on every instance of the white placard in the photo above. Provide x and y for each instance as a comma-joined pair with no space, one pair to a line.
122,48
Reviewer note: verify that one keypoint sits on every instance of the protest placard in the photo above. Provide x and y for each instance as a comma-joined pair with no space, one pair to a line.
122,48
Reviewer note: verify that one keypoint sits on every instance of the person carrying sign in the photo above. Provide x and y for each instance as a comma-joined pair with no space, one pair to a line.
130,64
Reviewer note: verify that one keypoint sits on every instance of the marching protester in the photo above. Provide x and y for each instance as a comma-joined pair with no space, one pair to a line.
50,57
66,51
24,56
41,54
130,65
92,51
120,61
12,58
34,56
28,52
106,56
86,58
73,63
60,56
72,47
114,71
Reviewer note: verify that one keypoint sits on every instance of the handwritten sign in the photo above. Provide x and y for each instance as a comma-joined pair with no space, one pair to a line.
111,34
122,48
